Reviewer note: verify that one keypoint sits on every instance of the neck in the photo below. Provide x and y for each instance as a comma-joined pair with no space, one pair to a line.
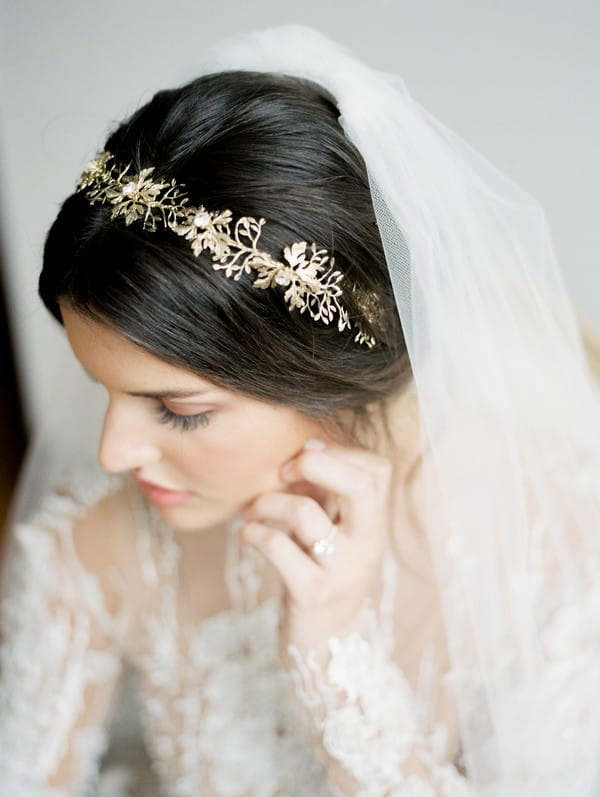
399,434
394,432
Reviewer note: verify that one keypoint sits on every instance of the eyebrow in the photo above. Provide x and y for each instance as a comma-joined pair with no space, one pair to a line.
166,394
160,395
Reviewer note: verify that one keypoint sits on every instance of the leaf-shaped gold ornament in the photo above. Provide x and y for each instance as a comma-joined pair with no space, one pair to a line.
312,284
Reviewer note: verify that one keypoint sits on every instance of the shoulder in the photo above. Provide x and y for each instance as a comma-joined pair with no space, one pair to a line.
79,540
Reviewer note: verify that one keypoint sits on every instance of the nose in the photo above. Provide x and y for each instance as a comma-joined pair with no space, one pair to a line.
125,443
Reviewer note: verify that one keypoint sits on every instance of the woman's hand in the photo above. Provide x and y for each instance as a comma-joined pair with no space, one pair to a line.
348,486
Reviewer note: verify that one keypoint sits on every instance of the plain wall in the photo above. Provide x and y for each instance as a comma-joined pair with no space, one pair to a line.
518,80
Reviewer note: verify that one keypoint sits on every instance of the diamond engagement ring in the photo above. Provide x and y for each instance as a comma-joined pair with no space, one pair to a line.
325,546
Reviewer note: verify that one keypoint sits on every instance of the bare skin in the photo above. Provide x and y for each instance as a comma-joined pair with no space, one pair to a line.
233,462
233,456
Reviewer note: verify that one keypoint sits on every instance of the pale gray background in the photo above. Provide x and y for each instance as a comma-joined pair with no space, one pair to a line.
518,79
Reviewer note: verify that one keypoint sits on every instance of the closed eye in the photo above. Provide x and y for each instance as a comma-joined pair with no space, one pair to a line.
186,423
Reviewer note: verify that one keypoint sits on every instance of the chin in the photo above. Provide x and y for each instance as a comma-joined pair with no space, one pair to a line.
195,518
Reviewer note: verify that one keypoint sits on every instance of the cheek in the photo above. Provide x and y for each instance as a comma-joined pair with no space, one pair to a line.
242,456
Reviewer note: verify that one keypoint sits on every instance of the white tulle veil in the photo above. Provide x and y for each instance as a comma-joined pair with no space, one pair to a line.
509,415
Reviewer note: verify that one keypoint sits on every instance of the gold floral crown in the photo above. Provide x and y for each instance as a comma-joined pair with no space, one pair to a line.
312,284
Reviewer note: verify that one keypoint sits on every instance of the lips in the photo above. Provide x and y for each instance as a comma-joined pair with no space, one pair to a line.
163,495
156,486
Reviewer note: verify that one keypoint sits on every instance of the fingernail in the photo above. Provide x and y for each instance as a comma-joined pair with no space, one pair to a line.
315,444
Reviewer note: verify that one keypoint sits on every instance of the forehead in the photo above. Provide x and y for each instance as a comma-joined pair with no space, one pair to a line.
117,362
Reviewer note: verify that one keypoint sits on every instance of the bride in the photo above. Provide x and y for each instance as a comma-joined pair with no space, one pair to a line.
344,536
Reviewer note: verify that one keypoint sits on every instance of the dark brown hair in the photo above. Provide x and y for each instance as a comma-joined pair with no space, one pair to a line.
261,145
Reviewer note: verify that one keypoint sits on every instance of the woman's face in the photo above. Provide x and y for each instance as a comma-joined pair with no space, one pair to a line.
215,449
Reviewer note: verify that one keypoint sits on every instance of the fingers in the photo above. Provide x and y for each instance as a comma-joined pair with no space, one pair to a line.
300,573
302,516
350,487
359,478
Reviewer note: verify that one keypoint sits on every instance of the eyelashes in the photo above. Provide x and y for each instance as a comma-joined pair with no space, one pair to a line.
187,423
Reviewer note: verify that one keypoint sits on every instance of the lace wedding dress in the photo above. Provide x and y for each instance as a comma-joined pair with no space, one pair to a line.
218,713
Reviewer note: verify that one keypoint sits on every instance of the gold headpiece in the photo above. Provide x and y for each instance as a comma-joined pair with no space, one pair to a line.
311,285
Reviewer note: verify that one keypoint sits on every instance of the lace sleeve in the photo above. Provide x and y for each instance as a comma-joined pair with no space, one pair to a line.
371,725
60,651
